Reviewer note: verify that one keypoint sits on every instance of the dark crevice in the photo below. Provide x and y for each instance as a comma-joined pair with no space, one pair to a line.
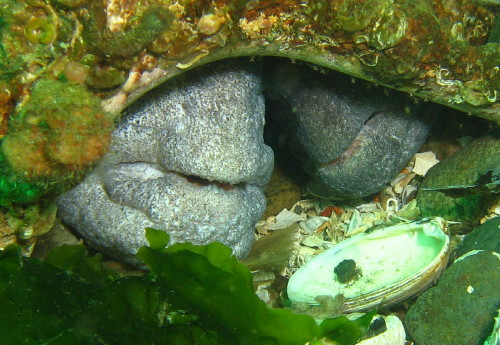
278,134
200,181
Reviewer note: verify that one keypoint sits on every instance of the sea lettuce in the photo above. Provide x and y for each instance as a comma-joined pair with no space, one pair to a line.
211,281
192,295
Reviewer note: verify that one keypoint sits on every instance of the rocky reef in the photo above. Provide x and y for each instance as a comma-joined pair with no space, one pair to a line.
118,50
125,106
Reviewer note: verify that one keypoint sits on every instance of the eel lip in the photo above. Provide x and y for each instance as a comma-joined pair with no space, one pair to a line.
351,150
357,142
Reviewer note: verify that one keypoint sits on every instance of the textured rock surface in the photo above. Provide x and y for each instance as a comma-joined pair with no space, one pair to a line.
463,168
356,136
460,309
484,237
188,158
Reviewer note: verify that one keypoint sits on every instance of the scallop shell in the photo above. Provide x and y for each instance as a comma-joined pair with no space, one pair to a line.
391,265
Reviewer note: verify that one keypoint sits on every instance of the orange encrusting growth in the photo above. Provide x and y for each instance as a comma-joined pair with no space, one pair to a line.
61,128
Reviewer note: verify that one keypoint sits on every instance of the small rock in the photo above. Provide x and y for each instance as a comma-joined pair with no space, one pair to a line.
484,237
461,308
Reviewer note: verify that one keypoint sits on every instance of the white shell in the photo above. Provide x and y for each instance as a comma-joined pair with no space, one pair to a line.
394,335
395,263
284,219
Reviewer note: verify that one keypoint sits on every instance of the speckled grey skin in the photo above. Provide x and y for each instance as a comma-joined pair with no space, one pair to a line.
188,158
383,147
210,126
356,137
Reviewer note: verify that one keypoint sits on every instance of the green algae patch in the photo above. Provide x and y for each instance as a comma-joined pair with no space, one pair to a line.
225,300
192,295
9,67
464,171
16,189
460,309
484,237
69,3
346,331
125,42
59,132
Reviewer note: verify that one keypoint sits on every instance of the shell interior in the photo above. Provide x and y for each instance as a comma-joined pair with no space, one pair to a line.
392,264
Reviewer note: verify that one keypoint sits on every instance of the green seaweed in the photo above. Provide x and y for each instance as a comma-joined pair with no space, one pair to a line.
15,189
346,331
210,280
192,295
495,31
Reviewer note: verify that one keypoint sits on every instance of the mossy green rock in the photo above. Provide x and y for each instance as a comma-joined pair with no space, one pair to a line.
484,237
461,308
144,26
463,168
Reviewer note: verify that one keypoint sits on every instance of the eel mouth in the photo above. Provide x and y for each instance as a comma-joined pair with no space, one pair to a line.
203,182
356,144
